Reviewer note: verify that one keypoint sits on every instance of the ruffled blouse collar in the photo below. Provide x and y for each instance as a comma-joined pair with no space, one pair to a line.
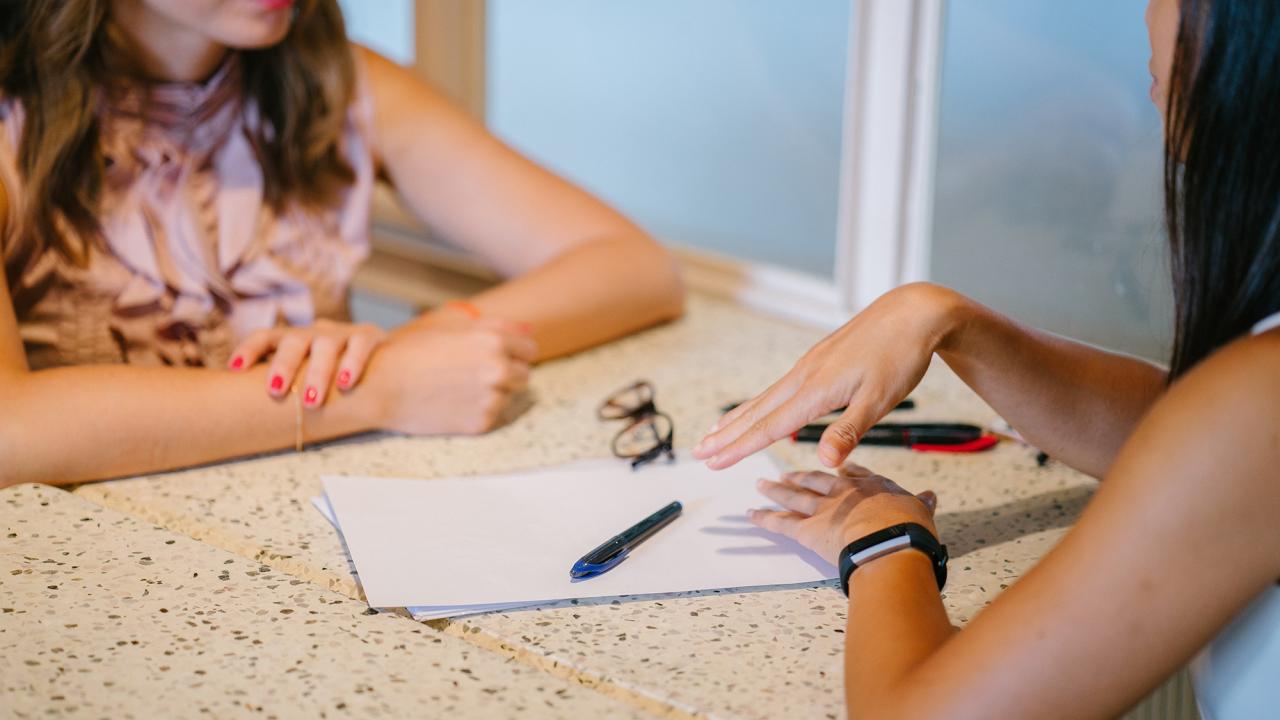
195,116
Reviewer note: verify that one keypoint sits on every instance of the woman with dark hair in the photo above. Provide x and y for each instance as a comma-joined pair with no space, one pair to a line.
1178,553
185,186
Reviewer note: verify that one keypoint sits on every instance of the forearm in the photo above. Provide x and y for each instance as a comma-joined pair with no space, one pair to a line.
1075,402
896,621
92,422
592,293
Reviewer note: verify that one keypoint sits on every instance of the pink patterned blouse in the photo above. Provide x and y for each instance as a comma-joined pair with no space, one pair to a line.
191,258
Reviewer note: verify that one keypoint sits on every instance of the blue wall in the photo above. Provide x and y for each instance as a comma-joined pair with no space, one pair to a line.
713,123
382,25
1049,161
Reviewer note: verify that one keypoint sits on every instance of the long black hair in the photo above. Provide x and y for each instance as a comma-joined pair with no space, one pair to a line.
1222,173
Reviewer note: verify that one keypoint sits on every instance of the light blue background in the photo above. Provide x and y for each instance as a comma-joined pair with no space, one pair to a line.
382,25
713,123
716,124
1049,169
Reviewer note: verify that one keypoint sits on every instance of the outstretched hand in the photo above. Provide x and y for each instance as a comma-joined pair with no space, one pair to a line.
867,366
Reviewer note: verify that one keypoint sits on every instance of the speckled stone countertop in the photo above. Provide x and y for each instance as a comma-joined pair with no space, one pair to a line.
104,615
757,654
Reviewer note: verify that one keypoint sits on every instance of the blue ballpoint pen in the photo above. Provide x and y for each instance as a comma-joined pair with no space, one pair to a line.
614,550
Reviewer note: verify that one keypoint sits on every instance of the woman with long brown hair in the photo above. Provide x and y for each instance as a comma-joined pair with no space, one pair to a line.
1177,556
185,192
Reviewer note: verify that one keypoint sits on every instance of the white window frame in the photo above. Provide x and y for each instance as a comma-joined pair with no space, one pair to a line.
885,205
889,148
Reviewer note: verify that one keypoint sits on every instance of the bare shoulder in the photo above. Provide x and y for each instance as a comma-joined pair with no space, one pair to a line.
390,81
1224,416
409,114
1242,379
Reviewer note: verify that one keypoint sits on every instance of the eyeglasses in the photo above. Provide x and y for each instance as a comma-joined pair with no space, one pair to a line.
649,433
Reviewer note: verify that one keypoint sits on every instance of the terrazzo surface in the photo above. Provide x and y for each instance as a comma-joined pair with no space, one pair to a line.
755,654
106,616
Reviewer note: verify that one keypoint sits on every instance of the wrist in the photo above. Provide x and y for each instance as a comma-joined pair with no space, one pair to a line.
897,539
953,313
455,313
367,406
876,516
908,562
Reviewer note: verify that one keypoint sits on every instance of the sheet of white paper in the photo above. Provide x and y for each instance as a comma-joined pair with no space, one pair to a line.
321,503
512,538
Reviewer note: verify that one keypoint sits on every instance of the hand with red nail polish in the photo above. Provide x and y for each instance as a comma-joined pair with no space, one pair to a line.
433,380
335,354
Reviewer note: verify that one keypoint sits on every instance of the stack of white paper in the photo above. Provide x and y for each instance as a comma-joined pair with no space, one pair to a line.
458,546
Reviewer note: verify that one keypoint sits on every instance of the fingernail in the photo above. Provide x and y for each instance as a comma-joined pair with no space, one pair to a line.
277,383
237,362
344,378
699,447
310,396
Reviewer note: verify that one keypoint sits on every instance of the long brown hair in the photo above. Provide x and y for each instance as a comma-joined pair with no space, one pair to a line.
54,57
1222,174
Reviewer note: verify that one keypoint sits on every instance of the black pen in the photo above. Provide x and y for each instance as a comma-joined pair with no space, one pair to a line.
907,404
938,437
614,550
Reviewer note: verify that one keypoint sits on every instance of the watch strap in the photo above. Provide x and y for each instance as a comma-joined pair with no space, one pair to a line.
890,540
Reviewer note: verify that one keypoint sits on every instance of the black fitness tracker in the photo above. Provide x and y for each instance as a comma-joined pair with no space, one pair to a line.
891,540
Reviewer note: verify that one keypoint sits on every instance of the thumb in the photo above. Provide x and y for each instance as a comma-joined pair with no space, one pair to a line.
930,500
841,436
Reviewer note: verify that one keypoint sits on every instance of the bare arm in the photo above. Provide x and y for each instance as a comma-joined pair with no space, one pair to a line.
1076,402
580,273
82,423
1176,542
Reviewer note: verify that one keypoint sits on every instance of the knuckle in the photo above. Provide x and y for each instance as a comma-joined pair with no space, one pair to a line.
493,402
495,372
845,432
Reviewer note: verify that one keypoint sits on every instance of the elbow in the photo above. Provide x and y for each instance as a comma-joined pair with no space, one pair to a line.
663,283
8,445
11,432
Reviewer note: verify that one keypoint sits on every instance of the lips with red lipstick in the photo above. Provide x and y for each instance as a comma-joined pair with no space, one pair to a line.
273,5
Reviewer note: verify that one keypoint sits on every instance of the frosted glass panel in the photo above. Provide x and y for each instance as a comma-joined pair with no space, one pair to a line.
1048,185
385,26
714,123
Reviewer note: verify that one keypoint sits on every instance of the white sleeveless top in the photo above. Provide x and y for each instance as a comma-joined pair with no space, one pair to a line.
1238,675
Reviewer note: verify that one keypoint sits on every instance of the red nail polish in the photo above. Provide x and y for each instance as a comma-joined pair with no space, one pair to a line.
344,378
277,383
311,395
237,362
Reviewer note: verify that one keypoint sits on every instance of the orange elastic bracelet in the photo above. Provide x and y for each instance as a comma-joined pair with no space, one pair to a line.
465,308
